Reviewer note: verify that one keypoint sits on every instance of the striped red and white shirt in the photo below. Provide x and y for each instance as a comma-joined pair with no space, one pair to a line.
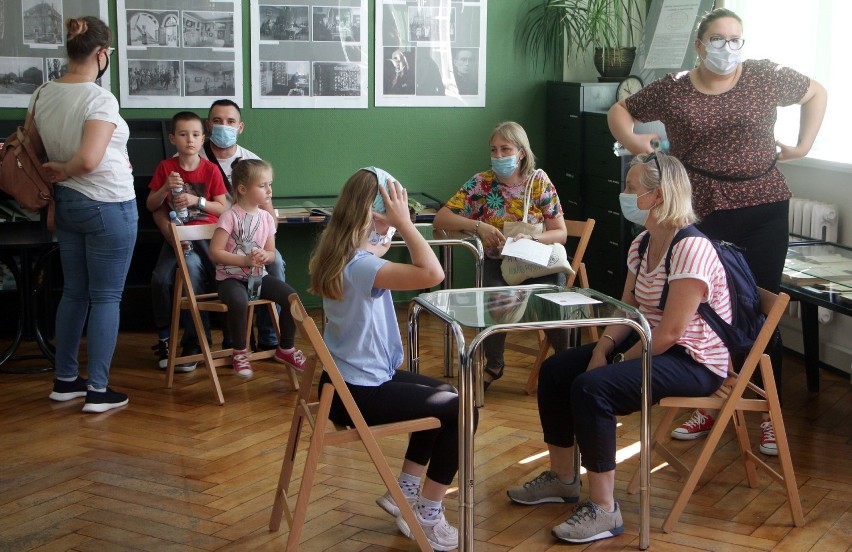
691,258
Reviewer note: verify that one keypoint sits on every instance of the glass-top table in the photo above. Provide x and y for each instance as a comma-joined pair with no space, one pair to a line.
818,274
487,311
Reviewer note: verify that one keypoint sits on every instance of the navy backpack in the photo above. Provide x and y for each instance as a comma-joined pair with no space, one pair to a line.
747,318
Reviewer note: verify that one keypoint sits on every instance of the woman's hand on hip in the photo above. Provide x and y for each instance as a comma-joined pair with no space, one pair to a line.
788,153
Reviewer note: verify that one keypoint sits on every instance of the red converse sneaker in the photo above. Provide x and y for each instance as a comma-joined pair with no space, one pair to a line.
697,426
291,357
768,445
242,366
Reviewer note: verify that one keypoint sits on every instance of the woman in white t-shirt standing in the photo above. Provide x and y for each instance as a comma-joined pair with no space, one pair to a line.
96,216
582,390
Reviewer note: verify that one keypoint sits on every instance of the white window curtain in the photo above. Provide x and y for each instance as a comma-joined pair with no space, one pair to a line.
813,38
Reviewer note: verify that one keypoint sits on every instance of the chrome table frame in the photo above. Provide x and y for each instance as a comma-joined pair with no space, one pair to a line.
470,381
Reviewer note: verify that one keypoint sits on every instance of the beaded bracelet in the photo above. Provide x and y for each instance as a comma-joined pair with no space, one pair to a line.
476,228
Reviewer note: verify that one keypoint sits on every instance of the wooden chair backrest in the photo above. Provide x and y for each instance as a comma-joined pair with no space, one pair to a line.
583,231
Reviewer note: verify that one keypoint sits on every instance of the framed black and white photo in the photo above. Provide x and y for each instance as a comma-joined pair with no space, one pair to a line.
311,53
180,54
32,44
430,53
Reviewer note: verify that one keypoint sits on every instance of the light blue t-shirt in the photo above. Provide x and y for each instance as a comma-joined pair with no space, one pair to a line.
361,330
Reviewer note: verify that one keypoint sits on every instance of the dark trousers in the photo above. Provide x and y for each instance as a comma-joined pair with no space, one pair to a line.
406,397
763,232
573,401
234,293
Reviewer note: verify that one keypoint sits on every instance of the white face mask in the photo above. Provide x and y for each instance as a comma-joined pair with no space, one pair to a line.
378,239
721,62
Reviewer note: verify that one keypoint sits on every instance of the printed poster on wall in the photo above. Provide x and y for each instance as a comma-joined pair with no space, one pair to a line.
309,54
179,53
32,44
430,53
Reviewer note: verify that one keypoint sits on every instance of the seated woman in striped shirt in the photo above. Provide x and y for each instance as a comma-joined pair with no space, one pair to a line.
582,390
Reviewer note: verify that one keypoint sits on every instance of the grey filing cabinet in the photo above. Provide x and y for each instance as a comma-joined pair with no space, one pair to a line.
587,176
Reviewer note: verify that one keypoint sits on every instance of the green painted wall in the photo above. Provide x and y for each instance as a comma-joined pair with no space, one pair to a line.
433,150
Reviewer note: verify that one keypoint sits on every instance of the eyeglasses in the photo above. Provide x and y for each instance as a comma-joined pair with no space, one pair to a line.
719,42
653,156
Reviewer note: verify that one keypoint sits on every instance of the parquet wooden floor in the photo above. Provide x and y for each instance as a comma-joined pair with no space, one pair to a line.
173,471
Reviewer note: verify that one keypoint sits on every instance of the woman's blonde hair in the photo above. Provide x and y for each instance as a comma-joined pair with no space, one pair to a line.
246,171
676,208
351,221
515,133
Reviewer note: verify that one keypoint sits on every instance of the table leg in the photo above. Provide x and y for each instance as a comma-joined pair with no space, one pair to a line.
447,258
810,340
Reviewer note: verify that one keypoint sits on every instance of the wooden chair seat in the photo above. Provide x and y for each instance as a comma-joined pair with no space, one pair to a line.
326,433
732,403
185,298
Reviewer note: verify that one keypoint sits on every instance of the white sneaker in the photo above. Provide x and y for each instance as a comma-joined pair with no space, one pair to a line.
386,503
440,534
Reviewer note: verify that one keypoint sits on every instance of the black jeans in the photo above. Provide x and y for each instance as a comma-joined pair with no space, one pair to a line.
763,233
234,293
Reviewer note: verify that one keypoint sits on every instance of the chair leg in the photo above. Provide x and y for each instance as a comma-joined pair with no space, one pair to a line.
741,430
291,372
300,513
208,356
656,439
543,351
781,441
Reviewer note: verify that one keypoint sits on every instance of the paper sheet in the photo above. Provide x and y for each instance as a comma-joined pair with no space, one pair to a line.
569,298
527,250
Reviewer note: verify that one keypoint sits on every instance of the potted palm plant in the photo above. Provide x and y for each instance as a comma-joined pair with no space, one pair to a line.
552,28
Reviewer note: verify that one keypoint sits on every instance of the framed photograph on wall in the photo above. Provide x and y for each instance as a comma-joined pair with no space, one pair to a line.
310,53
32,44
179,55
430,54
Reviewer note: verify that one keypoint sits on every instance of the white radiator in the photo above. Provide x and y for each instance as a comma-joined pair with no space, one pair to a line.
813,219
817,220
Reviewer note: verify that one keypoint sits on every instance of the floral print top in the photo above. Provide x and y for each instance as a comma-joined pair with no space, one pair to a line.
485,198
729,135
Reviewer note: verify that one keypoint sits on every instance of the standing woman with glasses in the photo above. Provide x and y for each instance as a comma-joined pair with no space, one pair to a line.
720,120
96,217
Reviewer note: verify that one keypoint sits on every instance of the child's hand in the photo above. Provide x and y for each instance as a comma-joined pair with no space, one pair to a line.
396,203
258,257
174,180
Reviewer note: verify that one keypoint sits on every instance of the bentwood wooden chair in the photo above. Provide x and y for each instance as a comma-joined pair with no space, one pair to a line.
326,433
732,402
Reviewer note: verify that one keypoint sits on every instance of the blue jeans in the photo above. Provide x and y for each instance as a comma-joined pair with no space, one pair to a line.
96,241
162,288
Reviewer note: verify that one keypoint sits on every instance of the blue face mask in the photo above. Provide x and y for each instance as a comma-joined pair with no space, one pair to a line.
630,208
223,136
382,176
504,166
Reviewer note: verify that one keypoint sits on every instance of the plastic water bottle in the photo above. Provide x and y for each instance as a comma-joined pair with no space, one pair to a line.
254,281
182,214
187,245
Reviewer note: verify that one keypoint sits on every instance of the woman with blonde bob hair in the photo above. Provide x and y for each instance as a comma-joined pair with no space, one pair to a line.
582,390
491,199
362,333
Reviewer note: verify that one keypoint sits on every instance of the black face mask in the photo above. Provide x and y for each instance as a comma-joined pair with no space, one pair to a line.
102,72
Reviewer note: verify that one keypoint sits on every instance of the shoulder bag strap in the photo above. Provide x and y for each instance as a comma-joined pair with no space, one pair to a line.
208,149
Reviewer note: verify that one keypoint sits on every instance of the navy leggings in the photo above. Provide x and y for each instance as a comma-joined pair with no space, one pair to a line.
572,401
406,397
763,232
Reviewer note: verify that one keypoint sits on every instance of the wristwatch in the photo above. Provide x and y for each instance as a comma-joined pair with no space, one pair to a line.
618,358
202,203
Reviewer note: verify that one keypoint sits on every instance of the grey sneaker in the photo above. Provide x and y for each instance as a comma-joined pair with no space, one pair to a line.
440,534
387,503
547,487
590,523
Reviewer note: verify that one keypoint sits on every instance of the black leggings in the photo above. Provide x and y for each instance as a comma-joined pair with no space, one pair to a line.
234,293
406,397
763,232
